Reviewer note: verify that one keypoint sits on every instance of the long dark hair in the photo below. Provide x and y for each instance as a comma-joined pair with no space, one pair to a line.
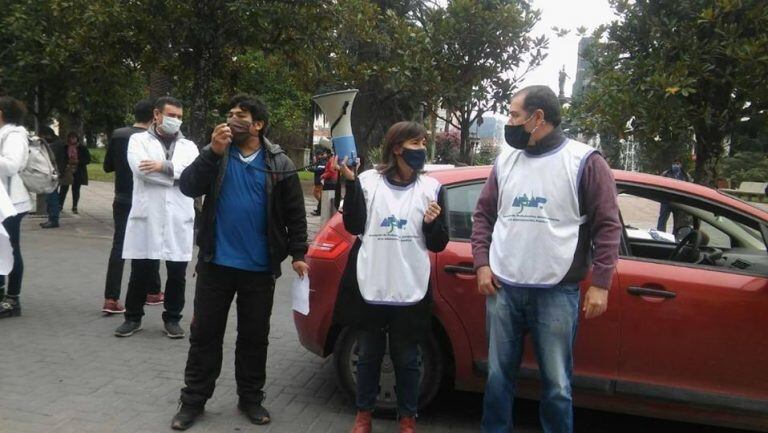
398,134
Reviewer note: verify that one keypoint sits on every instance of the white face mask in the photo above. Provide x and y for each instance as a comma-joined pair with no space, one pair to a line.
170,125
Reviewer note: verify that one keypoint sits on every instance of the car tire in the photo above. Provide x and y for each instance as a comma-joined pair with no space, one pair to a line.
431,364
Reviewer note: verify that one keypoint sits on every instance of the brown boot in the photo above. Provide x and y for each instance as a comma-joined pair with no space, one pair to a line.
407,424
362,422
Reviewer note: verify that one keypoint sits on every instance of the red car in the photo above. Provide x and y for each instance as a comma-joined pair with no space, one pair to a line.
685,336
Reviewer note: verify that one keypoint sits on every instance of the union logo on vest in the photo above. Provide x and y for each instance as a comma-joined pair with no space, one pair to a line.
393,222
522,201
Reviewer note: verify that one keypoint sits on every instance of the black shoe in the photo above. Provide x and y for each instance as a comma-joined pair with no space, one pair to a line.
173,330
10,307
128,328
49,225
255,412
74,210
186,416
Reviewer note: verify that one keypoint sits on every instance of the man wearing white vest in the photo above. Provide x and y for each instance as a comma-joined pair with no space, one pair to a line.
547,213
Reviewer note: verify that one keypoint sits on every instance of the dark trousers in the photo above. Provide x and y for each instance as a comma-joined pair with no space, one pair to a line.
664,211
120,212
13,227
215,289
75,194
405,358
53,205
143,273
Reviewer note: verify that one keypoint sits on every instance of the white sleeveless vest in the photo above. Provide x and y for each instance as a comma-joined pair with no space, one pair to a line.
393,263
537,229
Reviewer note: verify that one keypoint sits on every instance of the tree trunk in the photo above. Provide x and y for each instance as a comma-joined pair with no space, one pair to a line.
159,84
464,144
201,88
709,150
433,133
70,122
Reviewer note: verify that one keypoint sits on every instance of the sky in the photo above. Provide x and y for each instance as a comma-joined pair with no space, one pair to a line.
568,14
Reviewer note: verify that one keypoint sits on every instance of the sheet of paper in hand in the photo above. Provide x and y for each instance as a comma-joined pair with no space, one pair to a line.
300,295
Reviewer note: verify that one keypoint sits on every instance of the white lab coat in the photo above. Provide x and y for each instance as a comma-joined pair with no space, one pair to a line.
14,152
160,224
6,250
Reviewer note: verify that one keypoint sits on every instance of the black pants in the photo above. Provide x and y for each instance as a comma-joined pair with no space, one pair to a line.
75,194
215,289
120,212
13,227
143,273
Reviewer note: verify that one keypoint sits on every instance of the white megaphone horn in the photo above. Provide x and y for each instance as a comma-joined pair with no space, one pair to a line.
337,107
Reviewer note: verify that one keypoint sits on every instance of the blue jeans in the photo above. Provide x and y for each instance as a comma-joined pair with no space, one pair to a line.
405,358
54,207
551,316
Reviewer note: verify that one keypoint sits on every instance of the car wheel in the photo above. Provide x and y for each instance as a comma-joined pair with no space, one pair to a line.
431,366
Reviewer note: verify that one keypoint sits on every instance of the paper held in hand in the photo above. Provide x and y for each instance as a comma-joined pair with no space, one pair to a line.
300,294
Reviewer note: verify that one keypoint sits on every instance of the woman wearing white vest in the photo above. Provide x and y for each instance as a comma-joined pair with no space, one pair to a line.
14,150
394,211
546,215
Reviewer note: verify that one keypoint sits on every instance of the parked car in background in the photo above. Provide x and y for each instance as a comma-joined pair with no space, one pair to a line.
685,336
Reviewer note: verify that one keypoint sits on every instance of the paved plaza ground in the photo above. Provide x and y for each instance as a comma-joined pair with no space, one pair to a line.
62,370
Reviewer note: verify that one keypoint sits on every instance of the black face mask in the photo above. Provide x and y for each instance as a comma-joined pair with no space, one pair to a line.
240,130
415,158
516,135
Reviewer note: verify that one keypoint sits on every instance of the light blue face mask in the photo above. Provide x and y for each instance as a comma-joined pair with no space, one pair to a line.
170,125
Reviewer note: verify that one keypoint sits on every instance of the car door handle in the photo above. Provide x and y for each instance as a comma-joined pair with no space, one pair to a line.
453,269
652,293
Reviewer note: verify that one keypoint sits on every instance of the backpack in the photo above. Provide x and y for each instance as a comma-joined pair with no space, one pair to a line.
40,175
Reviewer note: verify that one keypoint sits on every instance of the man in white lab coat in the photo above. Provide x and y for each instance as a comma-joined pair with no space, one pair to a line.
160,224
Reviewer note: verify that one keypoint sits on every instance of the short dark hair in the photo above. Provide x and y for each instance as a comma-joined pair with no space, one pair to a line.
253,105
13,110
544,99
162,101
142,111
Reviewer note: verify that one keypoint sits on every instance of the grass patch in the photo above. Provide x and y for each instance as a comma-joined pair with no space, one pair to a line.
306,175
95,170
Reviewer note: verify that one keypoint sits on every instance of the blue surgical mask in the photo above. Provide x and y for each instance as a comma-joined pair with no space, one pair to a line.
415,158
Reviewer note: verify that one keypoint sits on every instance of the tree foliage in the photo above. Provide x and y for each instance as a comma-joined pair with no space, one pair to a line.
480,52
86,63
688,70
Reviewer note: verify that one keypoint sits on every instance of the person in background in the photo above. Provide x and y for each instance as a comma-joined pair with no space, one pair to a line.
674,172
76,160
321,162
52,199
14,150
330,176
116,161
396,213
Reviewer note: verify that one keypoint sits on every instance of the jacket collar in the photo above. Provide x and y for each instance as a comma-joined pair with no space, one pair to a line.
547,143
272,148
